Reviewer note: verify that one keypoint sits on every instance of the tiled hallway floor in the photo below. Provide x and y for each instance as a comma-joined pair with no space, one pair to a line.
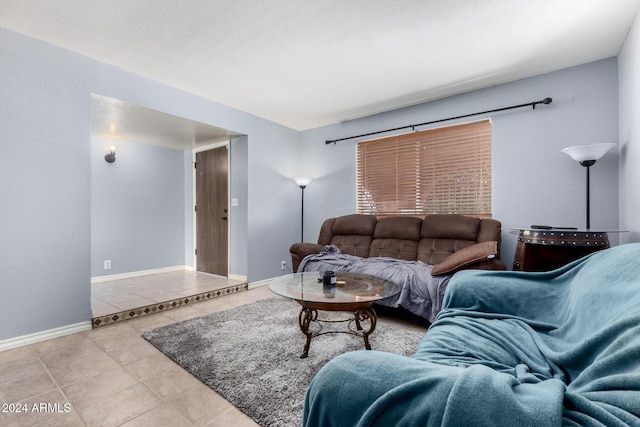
111,376
124,294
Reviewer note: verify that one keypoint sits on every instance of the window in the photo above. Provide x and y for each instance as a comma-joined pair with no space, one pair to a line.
445,170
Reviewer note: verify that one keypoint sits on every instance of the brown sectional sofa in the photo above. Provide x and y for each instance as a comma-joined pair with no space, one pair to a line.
433,240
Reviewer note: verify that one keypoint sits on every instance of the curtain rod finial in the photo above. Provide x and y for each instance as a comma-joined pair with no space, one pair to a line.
544,101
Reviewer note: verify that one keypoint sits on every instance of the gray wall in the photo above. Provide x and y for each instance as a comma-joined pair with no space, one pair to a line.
45,167
533,182
629,72
45,175
137,207
188,203
238,214
44,187
274,202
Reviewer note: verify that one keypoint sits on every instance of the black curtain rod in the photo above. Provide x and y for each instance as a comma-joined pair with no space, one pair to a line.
532,104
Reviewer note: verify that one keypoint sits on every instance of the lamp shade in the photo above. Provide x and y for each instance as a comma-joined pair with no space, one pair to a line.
581,153
302,181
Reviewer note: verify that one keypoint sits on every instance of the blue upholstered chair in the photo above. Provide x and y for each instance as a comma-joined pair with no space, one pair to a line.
508,349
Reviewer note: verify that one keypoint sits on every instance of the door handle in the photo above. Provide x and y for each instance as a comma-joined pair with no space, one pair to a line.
225,218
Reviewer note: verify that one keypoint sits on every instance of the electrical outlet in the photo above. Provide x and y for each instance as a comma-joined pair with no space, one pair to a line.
107,264
283,265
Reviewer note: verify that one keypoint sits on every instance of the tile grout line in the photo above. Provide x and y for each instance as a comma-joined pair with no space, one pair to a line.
41,354
78,416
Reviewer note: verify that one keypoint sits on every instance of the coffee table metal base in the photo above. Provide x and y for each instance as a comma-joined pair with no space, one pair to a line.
363,314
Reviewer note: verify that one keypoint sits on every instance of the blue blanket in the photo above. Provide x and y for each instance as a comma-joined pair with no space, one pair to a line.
421,293
507,349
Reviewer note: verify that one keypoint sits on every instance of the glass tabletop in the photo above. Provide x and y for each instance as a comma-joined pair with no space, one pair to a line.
350,288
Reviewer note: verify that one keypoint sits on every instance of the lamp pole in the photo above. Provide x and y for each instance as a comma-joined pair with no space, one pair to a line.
302,187
302,183
587,164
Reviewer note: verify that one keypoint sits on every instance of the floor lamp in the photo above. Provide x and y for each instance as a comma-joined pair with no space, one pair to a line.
587,156
302,181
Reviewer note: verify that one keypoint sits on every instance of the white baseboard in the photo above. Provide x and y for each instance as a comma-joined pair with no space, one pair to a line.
132,274
238,277
44,335
259,283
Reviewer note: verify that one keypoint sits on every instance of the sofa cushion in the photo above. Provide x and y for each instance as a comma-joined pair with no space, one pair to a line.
352,234
398,227
450,226
353,244
326,232
396,237
444,234
355,224
434,251
465,257
489,229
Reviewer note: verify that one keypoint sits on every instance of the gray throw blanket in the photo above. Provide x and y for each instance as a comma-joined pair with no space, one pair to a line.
421,292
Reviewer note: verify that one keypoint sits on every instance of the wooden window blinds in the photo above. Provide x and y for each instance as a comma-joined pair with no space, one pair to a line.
445,170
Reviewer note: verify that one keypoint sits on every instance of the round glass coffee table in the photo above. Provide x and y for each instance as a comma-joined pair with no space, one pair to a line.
354,293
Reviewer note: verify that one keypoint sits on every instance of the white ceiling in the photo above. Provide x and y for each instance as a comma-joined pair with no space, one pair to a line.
117,119
308,63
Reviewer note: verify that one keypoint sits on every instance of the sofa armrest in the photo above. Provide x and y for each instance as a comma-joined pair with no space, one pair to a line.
300,250
481,256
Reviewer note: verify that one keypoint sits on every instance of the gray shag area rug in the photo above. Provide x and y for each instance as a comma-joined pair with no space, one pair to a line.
251,354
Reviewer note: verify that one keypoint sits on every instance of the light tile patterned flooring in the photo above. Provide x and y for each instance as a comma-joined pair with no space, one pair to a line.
111,376
124,294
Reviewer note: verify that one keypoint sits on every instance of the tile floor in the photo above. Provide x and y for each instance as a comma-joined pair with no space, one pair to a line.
110,376
118,295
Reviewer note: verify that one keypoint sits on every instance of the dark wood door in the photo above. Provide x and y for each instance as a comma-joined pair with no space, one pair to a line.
212,211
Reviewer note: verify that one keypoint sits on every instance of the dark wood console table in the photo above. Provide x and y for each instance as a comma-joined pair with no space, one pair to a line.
548,249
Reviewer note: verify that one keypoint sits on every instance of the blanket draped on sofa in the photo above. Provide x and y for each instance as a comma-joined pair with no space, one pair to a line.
421,293
507,349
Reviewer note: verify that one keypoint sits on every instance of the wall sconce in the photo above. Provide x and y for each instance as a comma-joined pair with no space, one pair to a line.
302,182
110,157
587,155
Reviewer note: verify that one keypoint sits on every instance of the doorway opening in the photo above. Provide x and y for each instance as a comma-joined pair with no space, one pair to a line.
142,212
